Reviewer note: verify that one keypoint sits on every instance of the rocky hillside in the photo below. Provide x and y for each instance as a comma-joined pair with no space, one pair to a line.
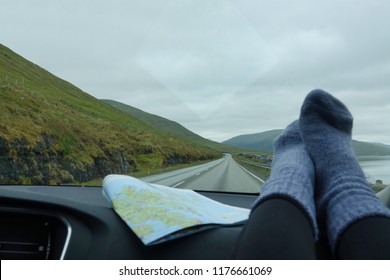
52,132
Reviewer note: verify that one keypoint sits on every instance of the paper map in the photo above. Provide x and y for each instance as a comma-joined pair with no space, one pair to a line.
155,212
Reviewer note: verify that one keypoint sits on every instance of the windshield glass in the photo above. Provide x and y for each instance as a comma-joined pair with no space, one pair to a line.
91,88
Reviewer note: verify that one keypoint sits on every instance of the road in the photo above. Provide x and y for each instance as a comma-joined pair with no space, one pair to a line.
223,175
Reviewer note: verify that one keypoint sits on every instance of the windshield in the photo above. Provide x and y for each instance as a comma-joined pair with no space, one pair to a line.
142,88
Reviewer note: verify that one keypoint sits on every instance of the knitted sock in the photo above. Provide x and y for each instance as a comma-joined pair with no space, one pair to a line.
342,194
292,174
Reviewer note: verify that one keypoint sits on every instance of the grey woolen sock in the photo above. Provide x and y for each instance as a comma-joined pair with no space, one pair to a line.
342,193
292,174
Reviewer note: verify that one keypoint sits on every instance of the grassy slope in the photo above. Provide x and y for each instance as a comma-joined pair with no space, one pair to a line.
261,141
171,127
48,124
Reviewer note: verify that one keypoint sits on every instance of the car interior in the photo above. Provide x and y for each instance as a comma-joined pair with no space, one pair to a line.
63,222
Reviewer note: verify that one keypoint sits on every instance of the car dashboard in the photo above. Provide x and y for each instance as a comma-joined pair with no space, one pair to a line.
69,222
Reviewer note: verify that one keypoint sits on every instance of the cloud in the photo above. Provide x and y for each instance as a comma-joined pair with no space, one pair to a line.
220,68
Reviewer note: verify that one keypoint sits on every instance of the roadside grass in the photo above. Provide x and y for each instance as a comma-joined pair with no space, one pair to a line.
255,166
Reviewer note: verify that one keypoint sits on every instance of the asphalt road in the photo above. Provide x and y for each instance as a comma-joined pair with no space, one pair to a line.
223,175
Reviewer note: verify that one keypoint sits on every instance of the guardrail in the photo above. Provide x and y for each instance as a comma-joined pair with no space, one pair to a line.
256,164
384,196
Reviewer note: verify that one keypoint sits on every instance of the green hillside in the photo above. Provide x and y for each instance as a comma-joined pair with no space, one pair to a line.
263,142
258,141
51,132
169,126
370,149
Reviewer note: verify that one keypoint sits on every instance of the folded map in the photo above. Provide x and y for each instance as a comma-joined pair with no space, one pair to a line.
158,213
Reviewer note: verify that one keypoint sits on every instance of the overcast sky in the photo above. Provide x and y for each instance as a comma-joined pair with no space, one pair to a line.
220,68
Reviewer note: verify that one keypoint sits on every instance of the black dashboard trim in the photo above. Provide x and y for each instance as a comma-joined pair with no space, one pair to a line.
42,213
99,233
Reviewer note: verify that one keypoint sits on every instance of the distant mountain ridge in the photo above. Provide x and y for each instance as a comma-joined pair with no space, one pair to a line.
263,141
165,125
257,141
370,149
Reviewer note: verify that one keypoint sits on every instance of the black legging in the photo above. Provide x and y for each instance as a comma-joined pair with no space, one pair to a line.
276,229
279,229
367,239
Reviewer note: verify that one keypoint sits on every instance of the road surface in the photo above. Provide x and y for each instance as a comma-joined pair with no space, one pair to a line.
223,175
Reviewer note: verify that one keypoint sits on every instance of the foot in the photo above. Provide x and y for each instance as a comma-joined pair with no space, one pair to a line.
342,193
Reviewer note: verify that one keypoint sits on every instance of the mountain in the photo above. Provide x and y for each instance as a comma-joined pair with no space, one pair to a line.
370,149
258,141
382,145
165,125
263,142
52,132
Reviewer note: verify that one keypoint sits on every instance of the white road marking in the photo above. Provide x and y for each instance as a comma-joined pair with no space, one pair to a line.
178,184
261,180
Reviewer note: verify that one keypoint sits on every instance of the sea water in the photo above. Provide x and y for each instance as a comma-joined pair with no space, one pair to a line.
376,168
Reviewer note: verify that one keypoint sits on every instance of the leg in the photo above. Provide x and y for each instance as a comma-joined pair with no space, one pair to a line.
343,196
367,239
277,229
282,224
